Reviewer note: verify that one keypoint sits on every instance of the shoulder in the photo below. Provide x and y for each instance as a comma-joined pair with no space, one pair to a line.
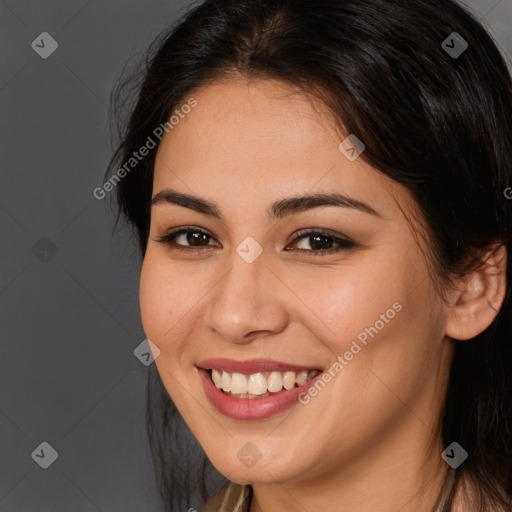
231,498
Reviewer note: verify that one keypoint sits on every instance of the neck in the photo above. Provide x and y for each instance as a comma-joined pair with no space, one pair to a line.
399,475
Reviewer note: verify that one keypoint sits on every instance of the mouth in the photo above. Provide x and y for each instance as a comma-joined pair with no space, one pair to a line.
260,384
253,390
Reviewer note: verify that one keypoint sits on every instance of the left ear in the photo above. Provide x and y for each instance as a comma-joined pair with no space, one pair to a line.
478,296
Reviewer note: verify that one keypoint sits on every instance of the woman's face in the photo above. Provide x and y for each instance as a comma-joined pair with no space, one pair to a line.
265,282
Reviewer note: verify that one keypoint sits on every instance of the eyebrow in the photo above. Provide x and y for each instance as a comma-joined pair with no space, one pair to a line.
277,210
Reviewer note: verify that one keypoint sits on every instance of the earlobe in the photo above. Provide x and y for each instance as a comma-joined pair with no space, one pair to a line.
478,297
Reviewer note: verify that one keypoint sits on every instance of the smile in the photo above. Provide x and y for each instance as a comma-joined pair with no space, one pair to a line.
254,390
259,385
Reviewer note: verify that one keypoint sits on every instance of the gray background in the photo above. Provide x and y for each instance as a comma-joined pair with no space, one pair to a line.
69,319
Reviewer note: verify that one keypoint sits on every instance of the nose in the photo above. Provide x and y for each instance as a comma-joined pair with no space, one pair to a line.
248,303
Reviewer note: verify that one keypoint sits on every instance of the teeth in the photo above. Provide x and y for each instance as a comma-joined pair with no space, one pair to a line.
259,385
226,381
275,382
288,380
302,378
217,378
238,383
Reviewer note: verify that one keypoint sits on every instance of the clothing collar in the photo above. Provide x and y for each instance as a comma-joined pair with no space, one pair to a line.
231,498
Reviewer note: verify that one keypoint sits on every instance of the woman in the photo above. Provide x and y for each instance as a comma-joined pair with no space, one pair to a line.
319,192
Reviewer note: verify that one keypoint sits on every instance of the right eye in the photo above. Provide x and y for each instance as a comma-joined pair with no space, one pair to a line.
186,239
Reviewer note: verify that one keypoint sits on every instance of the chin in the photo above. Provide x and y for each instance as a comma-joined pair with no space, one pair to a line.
250,465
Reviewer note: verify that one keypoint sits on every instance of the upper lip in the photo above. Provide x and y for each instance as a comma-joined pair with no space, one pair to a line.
250,366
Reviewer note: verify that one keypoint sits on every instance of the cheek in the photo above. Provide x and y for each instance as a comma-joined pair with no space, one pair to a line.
155,304
167,298
342,302
378,312
390,339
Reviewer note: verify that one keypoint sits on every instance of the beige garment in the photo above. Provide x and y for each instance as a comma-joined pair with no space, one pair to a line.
231,498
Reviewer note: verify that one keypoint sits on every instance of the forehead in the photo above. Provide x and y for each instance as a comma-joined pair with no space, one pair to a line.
234,120
261,140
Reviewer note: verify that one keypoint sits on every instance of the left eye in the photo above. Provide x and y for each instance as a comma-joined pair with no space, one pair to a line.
320,242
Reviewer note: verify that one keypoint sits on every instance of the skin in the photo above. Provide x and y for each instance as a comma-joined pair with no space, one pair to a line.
369,440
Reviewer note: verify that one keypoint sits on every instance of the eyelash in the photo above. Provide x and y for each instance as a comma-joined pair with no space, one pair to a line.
343,243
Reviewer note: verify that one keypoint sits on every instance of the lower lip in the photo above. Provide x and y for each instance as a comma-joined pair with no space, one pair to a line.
252,408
